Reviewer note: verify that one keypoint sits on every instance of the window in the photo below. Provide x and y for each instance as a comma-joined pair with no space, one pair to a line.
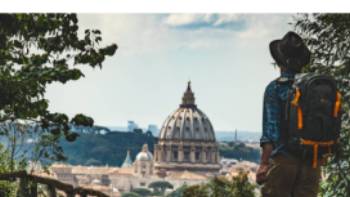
198,153
187,154
208,155
187,133
175,156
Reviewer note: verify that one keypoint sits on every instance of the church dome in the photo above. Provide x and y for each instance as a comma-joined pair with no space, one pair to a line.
187,123
144,155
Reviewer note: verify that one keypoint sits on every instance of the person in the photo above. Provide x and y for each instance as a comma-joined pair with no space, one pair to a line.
281,172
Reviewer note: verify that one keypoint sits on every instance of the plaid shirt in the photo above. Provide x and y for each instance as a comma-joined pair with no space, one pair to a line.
274,94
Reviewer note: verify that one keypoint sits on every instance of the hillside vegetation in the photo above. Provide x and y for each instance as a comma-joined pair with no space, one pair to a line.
111,148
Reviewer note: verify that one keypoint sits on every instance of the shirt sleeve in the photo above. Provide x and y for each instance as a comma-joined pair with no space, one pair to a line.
271,116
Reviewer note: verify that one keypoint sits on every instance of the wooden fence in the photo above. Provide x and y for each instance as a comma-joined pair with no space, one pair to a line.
52,184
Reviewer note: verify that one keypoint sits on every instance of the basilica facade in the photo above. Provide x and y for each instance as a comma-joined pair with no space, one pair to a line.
187,140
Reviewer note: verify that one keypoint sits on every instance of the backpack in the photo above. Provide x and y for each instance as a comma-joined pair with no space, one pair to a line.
312,117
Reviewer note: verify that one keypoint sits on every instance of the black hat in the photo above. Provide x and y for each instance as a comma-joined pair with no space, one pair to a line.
290,52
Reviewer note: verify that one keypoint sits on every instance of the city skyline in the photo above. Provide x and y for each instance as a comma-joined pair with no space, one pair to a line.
226,58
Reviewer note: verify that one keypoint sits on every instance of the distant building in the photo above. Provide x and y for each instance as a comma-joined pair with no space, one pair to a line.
153,128
186,153
132,125
236,137
187,140
143,164
114,180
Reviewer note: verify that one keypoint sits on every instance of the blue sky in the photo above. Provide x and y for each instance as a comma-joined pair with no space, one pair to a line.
225,56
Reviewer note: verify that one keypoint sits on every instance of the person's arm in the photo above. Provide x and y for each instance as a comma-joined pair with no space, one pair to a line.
266,153
264,166
270,134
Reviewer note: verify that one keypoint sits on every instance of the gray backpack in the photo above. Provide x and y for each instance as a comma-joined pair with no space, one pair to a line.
312,117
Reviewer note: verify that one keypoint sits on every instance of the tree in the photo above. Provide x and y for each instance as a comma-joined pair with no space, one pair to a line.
6,189
160,186
239,186
142,191
328,37
219,186
179,192
130,194
35,51
196,191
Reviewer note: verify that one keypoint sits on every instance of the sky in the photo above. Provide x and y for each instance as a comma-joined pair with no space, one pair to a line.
226,57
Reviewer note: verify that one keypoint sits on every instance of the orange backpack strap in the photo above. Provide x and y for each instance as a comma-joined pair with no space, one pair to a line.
315,145
295,103
337,105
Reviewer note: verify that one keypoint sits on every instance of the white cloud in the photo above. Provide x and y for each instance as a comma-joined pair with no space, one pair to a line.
185,19
205,20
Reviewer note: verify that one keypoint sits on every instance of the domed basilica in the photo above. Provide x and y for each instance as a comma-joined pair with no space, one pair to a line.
187,140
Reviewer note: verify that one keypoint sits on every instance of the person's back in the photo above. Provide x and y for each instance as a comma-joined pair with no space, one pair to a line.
282,173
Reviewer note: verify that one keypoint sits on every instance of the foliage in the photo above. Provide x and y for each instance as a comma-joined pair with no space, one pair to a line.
328,37
179,192
142,191
239,186
37,50
131,194
219,186
108,149
239,150
160,186
6,188
197,191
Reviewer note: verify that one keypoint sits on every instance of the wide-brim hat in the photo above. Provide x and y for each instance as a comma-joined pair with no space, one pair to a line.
290,52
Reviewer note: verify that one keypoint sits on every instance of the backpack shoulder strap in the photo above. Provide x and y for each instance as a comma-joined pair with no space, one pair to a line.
285,107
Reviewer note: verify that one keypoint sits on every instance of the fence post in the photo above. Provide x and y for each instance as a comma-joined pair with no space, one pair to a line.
23,187
33,189
52,191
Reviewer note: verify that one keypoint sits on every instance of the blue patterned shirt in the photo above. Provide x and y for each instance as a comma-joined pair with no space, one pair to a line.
274,94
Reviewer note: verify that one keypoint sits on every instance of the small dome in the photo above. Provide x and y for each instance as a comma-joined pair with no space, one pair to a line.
187,122
144,155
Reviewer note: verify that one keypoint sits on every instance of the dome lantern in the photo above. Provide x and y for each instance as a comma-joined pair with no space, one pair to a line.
188,99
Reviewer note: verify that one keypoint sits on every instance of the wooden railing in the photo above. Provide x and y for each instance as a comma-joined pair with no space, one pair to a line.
52,184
